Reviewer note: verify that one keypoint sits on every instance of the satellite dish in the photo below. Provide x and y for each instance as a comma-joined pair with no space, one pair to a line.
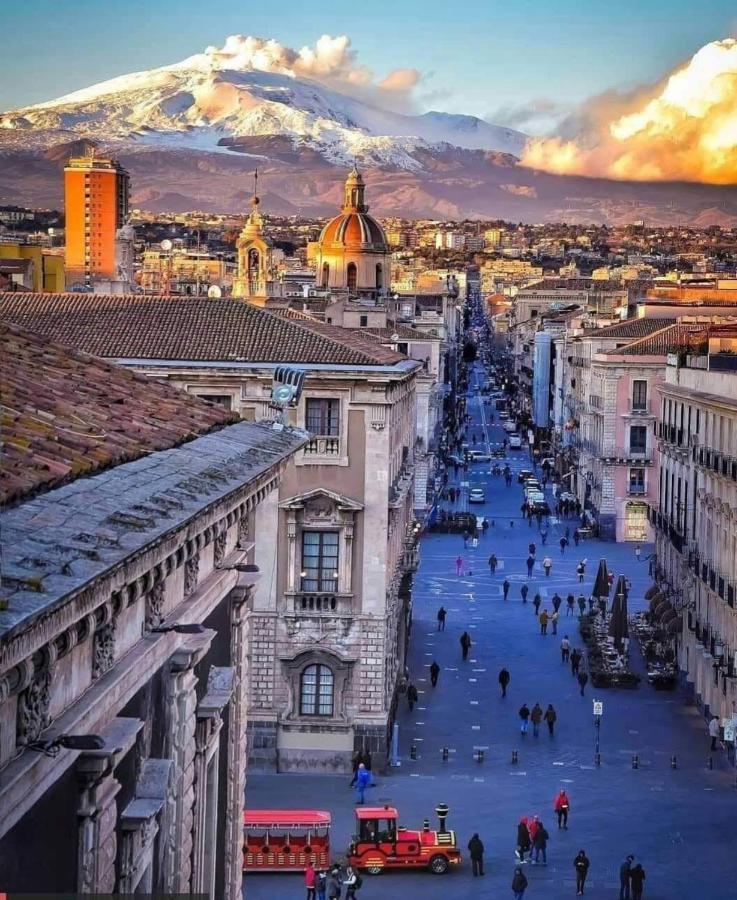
214,292
166,245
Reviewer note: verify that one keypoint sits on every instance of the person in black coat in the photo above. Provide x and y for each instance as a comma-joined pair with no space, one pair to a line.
412,696
476,852
504,678
624,878
523,840
434,672
581,865
465,644
519,884
637,879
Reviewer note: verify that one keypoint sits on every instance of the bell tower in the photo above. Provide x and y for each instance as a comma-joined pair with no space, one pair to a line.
255,279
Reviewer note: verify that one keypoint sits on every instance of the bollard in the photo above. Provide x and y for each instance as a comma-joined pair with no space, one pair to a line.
413,751
515,759
445,754
597,759
710,763
673,762
479,756
635,762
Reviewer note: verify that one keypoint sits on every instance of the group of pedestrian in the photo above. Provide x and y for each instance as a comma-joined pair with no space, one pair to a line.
536,716
532,838
631,879
322,884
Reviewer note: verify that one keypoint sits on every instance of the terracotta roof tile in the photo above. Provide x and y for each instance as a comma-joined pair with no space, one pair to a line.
661,342
187,328
67,414
629,328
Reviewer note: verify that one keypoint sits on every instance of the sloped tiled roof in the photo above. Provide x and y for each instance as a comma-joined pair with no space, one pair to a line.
66,414
659,343
133,326
630,328
402,331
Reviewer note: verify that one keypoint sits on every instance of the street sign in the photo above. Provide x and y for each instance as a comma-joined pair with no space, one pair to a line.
598,707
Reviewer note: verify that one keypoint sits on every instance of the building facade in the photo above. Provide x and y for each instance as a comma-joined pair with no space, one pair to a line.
96,192
124,670
695,516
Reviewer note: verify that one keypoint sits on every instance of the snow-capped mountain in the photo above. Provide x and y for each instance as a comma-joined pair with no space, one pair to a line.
208,102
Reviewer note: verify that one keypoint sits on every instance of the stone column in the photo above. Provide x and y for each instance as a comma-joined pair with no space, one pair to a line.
240,602
97,813
182,703
206,769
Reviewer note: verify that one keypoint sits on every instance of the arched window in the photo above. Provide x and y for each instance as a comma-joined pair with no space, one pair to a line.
316,691
379,276
326,274
352,273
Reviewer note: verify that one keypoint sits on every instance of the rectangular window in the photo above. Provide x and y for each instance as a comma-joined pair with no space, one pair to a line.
639,395
638,439
224,400
319,560
363,321
322,417
637,481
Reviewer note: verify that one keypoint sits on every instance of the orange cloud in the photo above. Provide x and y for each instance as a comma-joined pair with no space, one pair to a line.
684,129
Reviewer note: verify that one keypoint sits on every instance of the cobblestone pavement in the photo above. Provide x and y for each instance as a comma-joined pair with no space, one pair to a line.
679,823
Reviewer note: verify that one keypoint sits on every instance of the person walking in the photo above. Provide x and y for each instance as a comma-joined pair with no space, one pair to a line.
524,717
576,536
442,613
519,884
544,622
536,716
624,878
561,806
310,878
434,672
550,717
353,882
638,552
540,843
505,588
575,660
570,600
557,601
547,566
580,569
714,732
532,548
362,782
543,534
563,544
504,679
524,590
554,621
530,565
582,604
321,884
637,880
459,566
465,644
335,888
412,696
523,839
565,649
476,852
581,865
582,680
537,600
492,563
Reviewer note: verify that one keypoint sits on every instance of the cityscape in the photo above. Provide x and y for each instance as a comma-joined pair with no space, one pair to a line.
369,453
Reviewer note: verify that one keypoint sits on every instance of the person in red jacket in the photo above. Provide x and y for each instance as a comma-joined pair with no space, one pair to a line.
310,877
561,806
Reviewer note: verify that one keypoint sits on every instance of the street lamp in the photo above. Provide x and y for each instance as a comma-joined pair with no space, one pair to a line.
598,713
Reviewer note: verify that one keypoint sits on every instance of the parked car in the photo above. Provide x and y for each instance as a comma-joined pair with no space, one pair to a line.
515,442
524,474
478,456
503,414
476,495
540,506
509,426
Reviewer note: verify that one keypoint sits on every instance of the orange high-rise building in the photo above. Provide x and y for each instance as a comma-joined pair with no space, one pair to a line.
96,205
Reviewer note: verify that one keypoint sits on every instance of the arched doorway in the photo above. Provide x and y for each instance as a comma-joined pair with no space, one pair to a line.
635,522
352,275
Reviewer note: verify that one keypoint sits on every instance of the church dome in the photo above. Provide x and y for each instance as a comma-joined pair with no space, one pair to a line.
354,228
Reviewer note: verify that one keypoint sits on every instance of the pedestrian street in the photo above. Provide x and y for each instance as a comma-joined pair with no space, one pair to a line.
678,822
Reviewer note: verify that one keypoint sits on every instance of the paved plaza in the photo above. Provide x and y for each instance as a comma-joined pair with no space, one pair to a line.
678,823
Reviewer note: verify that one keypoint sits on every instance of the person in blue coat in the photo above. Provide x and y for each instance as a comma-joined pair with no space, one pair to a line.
362,782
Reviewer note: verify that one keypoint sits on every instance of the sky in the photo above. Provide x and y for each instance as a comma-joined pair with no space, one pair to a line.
491,58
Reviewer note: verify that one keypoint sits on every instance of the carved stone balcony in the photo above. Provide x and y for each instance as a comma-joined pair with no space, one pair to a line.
320,603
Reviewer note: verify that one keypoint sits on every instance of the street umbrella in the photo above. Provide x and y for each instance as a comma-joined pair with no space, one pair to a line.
618,627
601,585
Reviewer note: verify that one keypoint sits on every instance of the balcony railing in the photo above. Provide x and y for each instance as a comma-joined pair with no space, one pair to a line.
626,456
715,461
635,489
323,446
322,603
